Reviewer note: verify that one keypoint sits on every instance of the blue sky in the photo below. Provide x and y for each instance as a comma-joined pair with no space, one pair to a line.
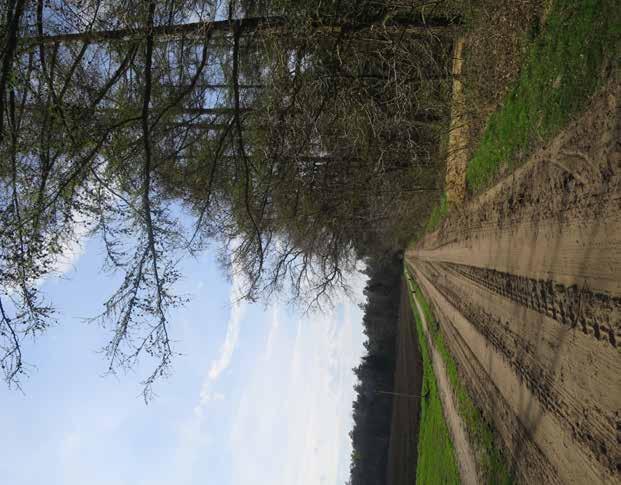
261,394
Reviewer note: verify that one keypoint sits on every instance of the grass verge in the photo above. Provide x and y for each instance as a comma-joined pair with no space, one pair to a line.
491,461
563,68
438,213
436,456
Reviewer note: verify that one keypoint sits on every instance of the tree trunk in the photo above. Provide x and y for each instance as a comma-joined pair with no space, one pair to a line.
14,13
194,30
211,87
275,24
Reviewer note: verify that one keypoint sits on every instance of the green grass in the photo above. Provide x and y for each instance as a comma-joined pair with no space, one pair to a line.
436,456
437,214
562,70
491,461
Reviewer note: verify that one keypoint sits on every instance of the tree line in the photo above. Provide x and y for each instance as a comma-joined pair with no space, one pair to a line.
295,135
372,409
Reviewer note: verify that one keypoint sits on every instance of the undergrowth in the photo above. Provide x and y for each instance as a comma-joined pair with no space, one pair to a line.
438,213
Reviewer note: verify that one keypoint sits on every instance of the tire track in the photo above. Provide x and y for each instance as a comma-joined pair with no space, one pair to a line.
572,463
548,358
526,282
592,312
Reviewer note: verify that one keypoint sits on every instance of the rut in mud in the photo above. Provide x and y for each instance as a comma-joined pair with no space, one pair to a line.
526,284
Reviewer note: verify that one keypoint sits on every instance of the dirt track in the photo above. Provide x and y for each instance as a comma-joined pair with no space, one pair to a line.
402,453
526,282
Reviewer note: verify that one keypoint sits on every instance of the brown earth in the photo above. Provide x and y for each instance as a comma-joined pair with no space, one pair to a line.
402,452
457,150
526,283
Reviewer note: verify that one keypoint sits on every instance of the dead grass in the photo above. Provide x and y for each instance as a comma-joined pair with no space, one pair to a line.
498,33
457,155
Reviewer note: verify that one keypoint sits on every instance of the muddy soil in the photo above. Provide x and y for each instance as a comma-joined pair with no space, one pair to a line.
526,282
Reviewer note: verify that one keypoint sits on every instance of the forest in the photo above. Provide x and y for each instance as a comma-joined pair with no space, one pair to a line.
372,410
295,137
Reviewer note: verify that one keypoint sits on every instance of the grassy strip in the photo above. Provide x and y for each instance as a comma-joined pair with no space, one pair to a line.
562,70
437,214
493,465
436,456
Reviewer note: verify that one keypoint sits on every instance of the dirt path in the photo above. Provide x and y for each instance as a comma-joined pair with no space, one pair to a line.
526,282
463,451
403,447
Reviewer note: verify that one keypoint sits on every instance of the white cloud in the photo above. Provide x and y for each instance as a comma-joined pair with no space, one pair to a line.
70,446
218,366
228,347
293,420
238,308
206,397
73,249
274,325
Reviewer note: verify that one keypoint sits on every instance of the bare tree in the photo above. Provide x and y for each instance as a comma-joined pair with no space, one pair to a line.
294,140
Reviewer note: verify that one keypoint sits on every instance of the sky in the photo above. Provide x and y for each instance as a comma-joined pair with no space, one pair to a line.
261,394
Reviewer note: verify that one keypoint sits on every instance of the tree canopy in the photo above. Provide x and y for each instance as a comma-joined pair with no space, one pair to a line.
296,135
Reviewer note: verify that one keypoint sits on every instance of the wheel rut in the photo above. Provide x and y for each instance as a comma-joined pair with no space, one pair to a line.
526,283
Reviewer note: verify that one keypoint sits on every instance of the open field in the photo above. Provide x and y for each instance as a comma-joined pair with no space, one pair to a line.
456,444
525,282
522,71
402,454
